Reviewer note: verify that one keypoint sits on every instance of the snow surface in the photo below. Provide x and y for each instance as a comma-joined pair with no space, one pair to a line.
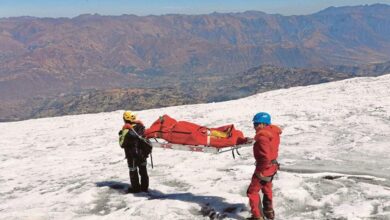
334,153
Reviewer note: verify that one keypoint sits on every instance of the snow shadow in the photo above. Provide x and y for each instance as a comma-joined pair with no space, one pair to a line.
115,185
212,206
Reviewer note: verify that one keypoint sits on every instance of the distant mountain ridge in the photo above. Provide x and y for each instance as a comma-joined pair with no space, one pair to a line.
44,56
52,58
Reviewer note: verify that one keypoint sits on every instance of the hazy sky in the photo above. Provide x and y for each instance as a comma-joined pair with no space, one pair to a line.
71,8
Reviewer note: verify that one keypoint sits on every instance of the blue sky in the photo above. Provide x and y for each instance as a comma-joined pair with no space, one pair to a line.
71,8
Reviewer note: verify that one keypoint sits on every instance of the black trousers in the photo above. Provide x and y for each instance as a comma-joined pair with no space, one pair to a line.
137,169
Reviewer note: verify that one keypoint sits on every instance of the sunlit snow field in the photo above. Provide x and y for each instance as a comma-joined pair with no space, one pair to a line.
335,156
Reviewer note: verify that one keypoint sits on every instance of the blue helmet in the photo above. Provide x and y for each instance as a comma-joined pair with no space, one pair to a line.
262,117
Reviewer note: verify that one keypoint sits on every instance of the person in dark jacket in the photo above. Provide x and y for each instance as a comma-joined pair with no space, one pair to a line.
265,151
130,140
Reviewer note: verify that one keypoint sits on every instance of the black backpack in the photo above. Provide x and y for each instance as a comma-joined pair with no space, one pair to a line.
145,147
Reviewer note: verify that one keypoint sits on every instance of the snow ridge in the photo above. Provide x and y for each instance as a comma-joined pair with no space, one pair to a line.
334,156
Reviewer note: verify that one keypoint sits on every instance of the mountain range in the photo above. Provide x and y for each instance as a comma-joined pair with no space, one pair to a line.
51,58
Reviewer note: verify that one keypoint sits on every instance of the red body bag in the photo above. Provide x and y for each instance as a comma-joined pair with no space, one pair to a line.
187,133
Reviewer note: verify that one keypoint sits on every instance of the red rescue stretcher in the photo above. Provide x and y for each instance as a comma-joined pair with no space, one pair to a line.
168,133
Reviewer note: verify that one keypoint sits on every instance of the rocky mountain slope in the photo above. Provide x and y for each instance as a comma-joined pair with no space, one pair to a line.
45,56
47,65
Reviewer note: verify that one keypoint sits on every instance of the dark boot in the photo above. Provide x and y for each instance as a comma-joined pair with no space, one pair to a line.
144,178
269,214
134,180
131,190
267,208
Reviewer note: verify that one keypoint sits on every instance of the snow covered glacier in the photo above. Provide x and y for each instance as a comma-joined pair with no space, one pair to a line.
334,154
